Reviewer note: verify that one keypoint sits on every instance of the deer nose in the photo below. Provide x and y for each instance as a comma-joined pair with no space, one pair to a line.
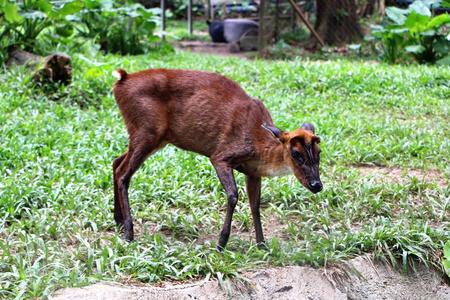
315,186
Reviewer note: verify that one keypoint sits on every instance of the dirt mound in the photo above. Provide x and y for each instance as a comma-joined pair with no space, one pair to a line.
359,278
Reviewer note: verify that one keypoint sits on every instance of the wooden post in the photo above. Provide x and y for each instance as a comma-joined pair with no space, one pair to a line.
189,13
293,19
224,10
382,8
208,10
300,14
261,33
277,12
163,19
212,10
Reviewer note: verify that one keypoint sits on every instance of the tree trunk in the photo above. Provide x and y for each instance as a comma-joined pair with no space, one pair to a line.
337,22
367,8
52,68
371,7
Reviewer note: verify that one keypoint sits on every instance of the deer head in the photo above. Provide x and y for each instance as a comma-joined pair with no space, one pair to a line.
301,154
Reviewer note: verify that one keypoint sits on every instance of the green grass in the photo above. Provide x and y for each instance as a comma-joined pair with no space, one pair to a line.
56,222
178,31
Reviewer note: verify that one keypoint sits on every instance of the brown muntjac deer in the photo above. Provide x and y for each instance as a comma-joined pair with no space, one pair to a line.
209,114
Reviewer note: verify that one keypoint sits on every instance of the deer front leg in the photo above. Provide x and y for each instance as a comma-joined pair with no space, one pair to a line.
253,185
226,177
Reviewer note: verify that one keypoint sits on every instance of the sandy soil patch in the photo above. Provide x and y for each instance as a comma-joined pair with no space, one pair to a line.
358,278
397,175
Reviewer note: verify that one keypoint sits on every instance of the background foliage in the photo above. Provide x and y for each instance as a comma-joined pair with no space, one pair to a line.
84,26
111,26
414,31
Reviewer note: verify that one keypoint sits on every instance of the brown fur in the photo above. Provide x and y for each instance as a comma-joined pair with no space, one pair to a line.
209,114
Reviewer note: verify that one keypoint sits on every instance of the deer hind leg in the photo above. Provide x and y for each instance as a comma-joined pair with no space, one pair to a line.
226,177
124,168
118,208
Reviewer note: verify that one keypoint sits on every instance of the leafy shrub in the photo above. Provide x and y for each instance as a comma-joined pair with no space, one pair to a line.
413,31
40,27
118,28
299,34
178,9
33,22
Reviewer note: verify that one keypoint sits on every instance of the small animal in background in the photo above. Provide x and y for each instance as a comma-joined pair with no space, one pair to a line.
234,31
209,114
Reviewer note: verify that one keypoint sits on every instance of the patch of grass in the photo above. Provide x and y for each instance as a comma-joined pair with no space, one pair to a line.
197,24
56,222
178,31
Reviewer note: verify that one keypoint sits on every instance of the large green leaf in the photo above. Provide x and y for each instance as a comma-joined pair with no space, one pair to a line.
438,21
444,62
415,48
65,30
91,4
417,22
442,46
34,15
432,3
377,28
428,33
446,264
149,27
447,250
420,8
445,3
69,8
107,5
354,47
11,13
145,12
446,260
156,10
44,6
396,14
399,31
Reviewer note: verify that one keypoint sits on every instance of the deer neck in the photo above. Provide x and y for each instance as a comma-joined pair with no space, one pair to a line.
272,162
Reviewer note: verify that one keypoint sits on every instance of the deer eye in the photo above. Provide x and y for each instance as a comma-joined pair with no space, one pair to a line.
296,155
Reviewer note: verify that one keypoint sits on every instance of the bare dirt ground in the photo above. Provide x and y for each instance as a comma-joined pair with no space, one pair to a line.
210,48
359,278
399,176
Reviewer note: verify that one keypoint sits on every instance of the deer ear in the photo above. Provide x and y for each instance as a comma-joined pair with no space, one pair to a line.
308,126
282,136
276,132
